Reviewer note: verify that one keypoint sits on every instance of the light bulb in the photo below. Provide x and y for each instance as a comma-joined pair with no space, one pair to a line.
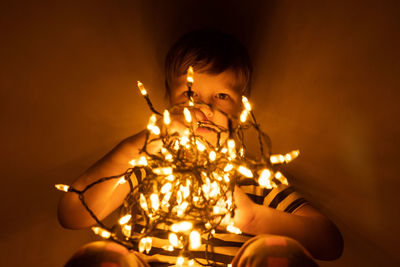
62,187
246,103
195,240
167,117
189,77
141,88
245,171
188,116
125,219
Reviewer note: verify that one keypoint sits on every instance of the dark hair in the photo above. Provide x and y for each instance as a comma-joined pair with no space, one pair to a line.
208,51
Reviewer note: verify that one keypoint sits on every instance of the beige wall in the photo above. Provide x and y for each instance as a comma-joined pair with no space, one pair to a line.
325,82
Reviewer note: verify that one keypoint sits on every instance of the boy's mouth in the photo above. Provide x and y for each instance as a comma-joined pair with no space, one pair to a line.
208,126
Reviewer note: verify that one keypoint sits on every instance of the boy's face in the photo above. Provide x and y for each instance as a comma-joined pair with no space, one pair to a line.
217,92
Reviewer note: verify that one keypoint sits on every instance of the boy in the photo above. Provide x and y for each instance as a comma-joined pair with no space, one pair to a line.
286,228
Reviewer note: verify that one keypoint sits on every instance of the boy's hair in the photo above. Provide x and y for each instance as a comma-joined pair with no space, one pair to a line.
208,51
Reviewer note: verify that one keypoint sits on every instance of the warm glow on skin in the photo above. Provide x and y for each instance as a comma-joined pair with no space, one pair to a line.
217,91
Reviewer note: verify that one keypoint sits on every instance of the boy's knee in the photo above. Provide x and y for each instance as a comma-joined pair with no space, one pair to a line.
103,254
272,250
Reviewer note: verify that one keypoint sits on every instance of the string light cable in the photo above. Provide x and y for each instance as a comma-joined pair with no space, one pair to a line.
185,190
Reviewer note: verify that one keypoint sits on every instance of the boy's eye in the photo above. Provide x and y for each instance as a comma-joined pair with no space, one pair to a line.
222,96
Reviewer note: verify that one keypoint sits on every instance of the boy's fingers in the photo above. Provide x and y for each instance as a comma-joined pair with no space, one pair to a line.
241,199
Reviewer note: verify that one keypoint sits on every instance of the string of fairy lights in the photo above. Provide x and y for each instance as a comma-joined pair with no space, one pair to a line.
186,189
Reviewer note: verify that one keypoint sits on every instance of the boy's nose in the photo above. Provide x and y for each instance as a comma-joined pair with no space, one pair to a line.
203,113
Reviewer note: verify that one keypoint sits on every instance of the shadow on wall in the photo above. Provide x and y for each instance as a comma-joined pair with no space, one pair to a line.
169,21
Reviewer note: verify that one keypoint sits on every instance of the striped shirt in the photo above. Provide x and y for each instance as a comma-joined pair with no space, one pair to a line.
223,246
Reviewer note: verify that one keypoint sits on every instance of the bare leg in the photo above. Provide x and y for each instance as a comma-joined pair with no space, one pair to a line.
105,254
273,251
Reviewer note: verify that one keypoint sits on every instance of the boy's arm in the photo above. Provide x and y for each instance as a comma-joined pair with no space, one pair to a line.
312,229
105,197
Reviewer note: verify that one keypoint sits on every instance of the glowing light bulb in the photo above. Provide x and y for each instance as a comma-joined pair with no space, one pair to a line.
214,189
148,244
281,178
241,152
184,226
226,178
264,179
189,77
176,145
169,157
179,197
245,171
142,161
180,261
228,167
127,230
101,232
233,229
274,159
184,140
154,129
155,203
231,144
295,153
246,103
173,239
122,180
125,219
195,240
185,191
151,126
166,198
166,188
216,210
170,177
229,202
143,202
188,116
200,146
243,115
168,248
291,155
212,156
142,244
167,117
62,187
141,88
181,209
163,171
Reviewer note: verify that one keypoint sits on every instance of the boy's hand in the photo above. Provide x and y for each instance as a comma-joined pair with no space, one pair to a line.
245,210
